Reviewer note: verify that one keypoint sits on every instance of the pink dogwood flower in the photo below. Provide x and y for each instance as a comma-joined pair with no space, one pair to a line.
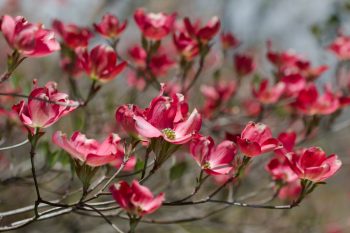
72,35
166,117
90,151
313,164
138,55
309,101
110,26
228,40
341,47
30,40
214,160
204,33
244,64
154,26
44,107
256,139
186,46
268,95
294,83
289,62
136,199
100,63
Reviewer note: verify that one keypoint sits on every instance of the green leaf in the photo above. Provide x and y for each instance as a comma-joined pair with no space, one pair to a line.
52,158
177,170
139,164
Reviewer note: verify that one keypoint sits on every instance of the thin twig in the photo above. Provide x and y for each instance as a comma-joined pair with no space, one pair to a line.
105,218
196,76
14,146
43,215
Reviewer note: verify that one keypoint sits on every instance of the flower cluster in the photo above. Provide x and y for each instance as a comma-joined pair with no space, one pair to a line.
240,109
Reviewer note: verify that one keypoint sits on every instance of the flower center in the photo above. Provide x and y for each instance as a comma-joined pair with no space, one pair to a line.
169,133
206,165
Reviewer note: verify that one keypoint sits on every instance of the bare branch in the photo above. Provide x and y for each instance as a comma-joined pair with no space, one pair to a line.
14,146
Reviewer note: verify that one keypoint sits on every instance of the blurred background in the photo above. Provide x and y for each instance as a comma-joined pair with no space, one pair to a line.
304,26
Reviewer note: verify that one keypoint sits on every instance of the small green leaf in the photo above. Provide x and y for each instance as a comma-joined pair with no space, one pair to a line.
177,170
139,164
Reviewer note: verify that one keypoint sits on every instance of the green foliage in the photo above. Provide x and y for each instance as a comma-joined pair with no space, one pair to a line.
139,164
54,156
178,170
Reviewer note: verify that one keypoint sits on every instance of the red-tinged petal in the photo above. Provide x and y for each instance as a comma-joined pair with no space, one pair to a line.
288,140
344,101
45,46
334,164
189,126
22,111
179,140
307,97
119,68
224,153
291,191
139,17
124,116
72,35
293,161
182,108
270,144
209,92
210,30
312,157
161,112
145,129
201,148
244,64
154,26
95,160
280,169
109,27
315,174
122,192
141,193
341,47
110,145
8,28
61,140
188,25
129,166
232,137
152,205
294,83
122,26
256,132
248,148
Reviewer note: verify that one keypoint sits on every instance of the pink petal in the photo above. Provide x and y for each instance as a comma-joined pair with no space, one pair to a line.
146,129
270,144
95,160
248,148
189,126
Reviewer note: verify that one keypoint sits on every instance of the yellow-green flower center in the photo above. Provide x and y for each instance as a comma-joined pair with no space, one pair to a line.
206,165
169,133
